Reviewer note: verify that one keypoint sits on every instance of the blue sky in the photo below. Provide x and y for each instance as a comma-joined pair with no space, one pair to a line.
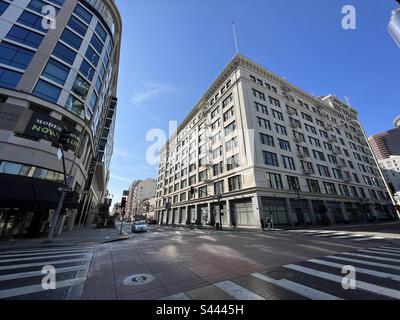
172,50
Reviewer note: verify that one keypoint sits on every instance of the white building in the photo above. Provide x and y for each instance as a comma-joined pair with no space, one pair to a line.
391,170
266,147
140,191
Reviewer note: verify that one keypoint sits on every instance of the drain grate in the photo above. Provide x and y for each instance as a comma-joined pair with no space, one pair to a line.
138,279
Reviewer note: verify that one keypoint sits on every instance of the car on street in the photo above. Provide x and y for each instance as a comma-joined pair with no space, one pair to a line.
139,226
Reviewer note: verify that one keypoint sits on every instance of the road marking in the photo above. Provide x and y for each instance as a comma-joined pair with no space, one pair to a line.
356,235
9,293
236,291
380,252
386,250
41,264
41,254
368,263
38,273
358,269
392,248
370,238
297,288
43,257
178,296
370,257
332,234
359,284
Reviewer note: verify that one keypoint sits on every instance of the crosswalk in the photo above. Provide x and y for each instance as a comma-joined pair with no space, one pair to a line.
22,274
342,235
376,277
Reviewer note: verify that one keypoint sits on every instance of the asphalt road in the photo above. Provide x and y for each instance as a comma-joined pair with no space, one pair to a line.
286,264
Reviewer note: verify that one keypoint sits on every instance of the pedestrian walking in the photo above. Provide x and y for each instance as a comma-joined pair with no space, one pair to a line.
269,222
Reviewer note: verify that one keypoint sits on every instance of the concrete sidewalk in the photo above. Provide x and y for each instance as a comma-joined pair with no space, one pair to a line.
78,237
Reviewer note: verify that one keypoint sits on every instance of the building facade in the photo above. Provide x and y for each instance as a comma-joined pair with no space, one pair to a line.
391,171
58,72
139,192
256,146
386,143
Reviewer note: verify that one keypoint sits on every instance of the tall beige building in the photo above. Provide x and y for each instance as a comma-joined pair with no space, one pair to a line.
256,146
139,191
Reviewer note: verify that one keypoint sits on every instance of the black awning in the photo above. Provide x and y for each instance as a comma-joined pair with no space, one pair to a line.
24,192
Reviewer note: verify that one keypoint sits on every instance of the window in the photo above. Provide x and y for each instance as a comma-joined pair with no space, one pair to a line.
261,108
72,39
259,95
9,79
230,128
280,129
313,186
47,91
74,105
218,169
231,144
93,101
203,176
96,43
288,163
293,183
284,145
233,162
219,187
31,20
15,56
92,56
83,14
267,140
81,87
330,188
37,5
25,36
215,125
87,70
77,26
263,123
235,183
274,181
56,71
217,152
277,115
229,114
3,6
101,32
228,100
192,180
274,102
270,159
323,171
64,53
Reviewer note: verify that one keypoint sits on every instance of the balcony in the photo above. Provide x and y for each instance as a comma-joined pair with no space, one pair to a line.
341,164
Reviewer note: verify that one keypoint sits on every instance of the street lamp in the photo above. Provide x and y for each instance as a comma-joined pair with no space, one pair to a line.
394,25
375,159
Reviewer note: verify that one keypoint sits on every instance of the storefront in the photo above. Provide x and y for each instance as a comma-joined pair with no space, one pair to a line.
242,213
301,211
204,216
336,211
276,209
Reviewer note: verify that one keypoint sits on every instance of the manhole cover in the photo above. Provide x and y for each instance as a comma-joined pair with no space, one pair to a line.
138,279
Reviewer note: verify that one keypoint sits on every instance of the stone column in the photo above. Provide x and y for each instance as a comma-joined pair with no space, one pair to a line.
210,215
292,219
228,214
257,210
312,212
329,213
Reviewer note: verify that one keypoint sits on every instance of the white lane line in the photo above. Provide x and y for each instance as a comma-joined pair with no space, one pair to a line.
370,257
376,251
41,264
391,248
178,296
43,257
41,254
237,292
9,293
385,250
297,288
38,273
370,238
350,236
45,250
327,235
374,273
359,284
367,263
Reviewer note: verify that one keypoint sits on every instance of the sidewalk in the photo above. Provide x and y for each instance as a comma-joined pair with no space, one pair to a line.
86,236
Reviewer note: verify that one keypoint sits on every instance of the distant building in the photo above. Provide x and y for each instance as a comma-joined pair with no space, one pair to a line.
397,122
386,143
391,171
139,191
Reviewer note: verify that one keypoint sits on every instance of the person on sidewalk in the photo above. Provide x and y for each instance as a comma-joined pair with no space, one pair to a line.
269,223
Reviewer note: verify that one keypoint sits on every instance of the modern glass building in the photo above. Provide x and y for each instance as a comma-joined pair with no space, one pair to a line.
58,70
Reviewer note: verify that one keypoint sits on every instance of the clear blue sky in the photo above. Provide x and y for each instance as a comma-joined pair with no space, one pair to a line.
172,50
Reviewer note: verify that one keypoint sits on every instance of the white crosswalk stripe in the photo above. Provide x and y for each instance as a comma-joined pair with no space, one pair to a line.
21,272
377,277
342,235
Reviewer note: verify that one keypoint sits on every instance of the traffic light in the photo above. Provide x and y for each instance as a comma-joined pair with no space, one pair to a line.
123,203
